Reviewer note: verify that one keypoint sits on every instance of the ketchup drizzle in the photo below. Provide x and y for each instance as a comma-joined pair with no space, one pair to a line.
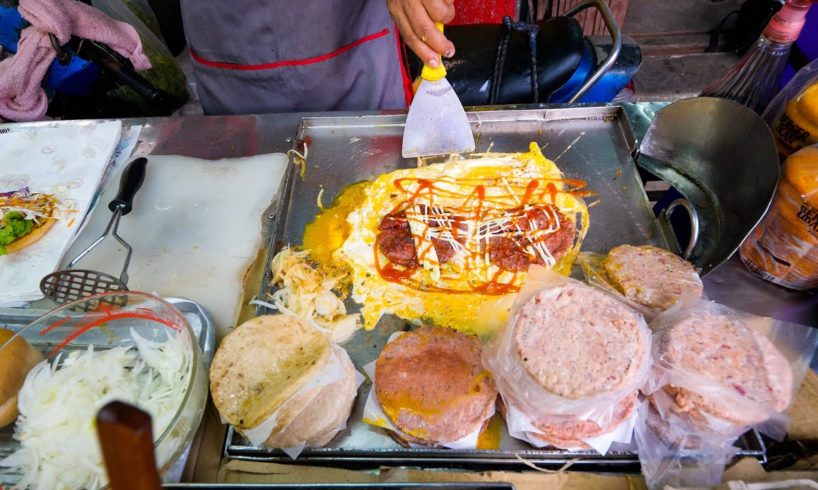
480,207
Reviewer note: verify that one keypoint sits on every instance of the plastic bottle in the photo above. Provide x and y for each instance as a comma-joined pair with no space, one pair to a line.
783,248
756,78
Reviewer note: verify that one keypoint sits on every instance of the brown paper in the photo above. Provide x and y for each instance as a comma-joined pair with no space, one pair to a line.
249,472
209,466
804,412
750,470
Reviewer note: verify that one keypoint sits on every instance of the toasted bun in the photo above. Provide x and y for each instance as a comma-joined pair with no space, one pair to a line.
262,363
36,234
320,413
17,358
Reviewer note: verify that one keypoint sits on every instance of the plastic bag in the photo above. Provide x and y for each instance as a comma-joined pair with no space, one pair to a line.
673,453
788,114
303,402
686,434
523,393
593,269
783,248
165,73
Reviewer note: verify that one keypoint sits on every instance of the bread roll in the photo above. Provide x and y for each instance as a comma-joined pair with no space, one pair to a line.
17,358
264,367
36,234
324,411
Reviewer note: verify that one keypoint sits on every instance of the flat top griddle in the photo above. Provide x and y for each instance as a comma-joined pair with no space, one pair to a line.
594,144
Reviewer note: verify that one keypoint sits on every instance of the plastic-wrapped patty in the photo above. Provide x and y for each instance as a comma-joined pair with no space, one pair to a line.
730,362
571,433
578,342
432,386
652,276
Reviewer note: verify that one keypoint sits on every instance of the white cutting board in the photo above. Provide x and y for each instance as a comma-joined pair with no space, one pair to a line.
195,229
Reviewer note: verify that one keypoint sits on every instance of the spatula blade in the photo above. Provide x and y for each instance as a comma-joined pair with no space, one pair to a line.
436,123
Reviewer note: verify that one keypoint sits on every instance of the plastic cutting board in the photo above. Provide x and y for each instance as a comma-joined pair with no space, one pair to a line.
195,228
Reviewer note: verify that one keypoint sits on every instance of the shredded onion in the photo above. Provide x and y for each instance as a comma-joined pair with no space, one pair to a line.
310,294
59,402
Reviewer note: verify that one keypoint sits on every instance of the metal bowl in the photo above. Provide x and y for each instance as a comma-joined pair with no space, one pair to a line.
67,328
721,157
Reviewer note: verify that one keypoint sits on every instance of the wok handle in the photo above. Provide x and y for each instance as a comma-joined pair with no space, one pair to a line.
129,183
126,439
694,223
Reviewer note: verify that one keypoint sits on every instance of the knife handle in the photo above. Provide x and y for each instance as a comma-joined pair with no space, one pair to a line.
126,439
434,74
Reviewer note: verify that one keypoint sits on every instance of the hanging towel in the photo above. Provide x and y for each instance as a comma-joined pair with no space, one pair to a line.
22,97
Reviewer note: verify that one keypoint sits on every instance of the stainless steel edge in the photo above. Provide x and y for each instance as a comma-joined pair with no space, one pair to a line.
348,486
692,214
207,337
276,228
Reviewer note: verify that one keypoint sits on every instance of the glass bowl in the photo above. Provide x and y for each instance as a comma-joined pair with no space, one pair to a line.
109,323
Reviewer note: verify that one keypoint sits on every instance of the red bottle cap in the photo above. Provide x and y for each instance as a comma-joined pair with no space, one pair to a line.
786,24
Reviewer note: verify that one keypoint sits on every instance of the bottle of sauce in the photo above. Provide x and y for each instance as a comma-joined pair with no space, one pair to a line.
756,78
783,248
797,126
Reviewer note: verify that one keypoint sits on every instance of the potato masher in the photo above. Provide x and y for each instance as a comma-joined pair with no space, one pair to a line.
69,284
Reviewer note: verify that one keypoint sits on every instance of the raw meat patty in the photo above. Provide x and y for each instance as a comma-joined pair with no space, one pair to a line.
578,342
652,276
432,386
569,434
721,348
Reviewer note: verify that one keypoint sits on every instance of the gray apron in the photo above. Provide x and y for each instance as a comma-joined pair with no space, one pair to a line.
257,56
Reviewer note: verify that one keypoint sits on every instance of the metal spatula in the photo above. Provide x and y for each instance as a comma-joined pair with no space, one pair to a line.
69,284
437,123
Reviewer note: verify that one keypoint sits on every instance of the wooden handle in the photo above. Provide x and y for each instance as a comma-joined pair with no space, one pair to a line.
126,438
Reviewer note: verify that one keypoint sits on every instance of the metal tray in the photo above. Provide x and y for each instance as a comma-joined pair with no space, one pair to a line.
345,486
200,321
590,143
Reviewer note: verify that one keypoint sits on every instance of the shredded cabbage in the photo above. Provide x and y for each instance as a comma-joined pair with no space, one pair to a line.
310,294
58,404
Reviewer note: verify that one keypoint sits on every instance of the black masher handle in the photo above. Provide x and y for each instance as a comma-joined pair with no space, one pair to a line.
129,183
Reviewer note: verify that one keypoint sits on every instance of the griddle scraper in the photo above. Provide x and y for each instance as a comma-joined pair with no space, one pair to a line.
436,123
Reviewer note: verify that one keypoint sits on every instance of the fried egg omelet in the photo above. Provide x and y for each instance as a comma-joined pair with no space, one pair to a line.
450,243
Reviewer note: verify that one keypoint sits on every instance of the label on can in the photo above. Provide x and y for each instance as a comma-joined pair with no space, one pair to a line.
789,136
783,248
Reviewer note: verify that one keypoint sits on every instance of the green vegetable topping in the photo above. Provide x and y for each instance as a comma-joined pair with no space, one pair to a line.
13,227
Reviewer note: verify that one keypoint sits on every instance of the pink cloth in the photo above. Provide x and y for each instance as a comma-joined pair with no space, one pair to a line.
22,97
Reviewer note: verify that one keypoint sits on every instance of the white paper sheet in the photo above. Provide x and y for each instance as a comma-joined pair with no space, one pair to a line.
67,161
521,427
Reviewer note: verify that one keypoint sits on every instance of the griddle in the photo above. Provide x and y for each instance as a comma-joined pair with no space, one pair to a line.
594,144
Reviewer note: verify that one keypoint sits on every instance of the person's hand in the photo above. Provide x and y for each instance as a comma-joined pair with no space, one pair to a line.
416,22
